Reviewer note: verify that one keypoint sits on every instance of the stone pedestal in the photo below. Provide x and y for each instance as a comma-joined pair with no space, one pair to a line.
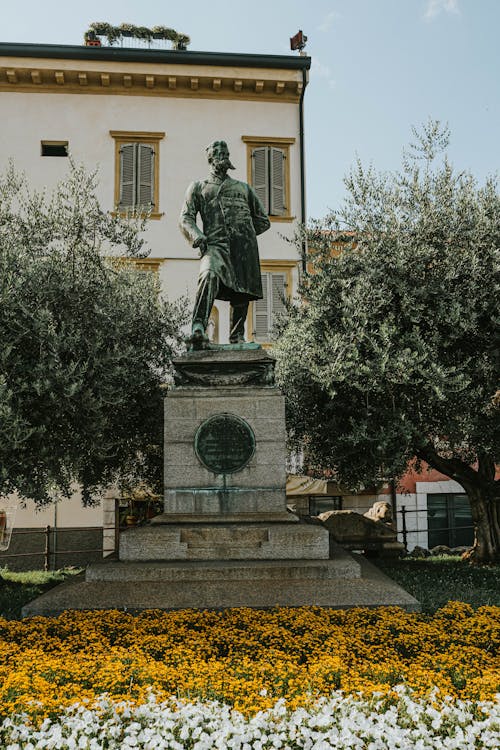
225,538
194,493
225,473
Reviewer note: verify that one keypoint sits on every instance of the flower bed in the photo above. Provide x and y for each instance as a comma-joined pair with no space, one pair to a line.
399,723
250,660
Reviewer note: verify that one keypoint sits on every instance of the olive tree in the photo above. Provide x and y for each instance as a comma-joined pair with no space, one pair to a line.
393,352
85,342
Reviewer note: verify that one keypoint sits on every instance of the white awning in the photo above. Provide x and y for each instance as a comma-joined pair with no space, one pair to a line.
300,485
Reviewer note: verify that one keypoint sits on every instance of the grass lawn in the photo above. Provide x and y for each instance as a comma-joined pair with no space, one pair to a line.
17,589
436,580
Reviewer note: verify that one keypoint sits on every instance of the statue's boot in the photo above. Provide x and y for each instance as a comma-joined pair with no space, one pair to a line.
238,318
208,285
198,339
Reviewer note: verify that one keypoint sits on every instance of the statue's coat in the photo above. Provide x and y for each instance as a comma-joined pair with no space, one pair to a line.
232,217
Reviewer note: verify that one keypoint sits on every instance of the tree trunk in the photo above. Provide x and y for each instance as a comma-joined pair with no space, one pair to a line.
486,518
484,497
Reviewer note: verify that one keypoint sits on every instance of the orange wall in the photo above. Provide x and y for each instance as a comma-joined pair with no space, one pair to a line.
408,481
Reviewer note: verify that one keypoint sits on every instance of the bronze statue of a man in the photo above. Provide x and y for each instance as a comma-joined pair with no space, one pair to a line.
232,217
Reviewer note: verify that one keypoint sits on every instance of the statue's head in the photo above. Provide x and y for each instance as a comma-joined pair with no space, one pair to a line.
218,155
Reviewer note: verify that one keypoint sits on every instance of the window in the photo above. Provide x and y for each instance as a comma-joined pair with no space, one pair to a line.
265,310
449,521
276,287
268,167
137,163
54,148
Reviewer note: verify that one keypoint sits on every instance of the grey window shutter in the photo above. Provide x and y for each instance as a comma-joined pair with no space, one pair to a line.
145,175
260,174
127,175
261,312
277,169
277,298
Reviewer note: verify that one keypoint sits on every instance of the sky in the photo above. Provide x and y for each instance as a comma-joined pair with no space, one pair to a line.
379,68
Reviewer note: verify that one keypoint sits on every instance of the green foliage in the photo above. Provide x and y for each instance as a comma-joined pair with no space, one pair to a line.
19,588
114,33
85,343
437,580
394,351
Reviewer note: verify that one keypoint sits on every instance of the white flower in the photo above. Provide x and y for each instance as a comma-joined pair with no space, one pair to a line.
339,722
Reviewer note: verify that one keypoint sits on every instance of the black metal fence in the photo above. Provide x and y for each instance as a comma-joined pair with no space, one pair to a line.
55,555
404,531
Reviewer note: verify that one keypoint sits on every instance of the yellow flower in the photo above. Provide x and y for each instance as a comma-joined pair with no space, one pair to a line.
247,658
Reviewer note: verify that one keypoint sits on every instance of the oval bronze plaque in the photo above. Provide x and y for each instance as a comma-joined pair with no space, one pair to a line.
224,443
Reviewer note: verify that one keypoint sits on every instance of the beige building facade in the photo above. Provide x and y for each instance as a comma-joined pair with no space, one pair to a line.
143,118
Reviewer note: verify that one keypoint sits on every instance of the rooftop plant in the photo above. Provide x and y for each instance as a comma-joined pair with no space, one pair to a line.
115,33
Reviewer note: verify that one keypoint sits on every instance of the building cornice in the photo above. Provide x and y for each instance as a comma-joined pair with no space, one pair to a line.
176,57
108,70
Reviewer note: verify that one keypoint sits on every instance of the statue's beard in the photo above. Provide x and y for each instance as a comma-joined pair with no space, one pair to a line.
220,166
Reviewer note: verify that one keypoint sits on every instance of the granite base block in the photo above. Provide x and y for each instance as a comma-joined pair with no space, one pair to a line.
224,502
263,409
254,476
225,541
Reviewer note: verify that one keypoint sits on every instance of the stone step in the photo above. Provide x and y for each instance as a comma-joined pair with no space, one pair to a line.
343,566
372,589
209,518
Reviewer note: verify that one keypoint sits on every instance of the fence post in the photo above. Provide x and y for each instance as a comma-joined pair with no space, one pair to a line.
404,530
46,561
117,525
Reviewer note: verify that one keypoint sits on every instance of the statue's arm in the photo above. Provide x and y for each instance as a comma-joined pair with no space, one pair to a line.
260,218
189,212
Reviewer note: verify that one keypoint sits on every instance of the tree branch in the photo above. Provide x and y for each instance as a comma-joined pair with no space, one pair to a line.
452,467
